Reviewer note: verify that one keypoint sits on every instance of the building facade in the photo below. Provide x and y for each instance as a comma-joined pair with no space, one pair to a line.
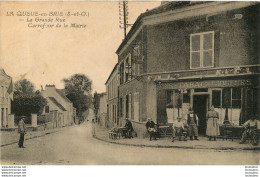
112,98
6,94
58,104
101,110
196,54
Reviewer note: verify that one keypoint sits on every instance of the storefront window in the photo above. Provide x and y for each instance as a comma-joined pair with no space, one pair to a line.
178,99
231,99
216,98
236,97
226,98
186,96
252,103
169,99
174,103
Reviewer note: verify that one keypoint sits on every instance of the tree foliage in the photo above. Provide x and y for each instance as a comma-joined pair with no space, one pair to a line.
78,82
23,87
78,89
27,101
25,105
80,101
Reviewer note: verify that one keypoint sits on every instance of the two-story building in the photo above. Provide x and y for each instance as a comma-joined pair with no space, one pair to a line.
58,102
196,54
6,94
112,98
101,109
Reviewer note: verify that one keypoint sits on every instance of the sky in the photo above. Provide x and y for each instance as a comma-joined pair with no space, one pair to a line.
46,56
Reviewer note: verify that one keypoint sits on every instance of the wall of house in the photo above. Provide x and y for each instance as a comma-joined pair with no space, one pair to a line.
102,112
151,99
130,47
236,40
130,88
5,101
112,114
50,91
112,101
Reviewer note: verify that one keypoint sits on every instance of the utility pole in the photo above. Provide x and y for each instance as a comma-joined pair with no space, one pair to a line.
123,16
124,8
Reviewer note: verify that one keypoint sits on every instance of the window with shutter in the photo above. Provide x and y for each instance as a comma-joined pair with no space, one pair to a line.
136,106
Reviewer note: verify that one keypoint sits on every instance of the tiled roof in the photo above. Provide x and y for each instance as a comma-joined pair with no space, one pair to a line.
62,94
57,103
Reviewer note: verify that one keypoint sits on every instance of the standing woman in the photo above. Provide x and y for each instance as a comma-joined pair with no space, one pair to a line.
212,124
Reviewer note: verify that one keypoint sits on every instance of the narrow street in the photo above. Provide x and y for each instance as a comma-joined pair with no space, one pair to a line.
75,145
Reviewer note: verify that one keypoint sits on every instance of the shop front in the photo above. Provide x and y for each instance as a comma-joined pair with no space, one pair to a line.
235,99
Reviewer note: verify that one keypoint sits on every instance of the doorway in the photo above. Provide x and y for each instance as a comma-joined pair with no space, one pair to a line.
200,107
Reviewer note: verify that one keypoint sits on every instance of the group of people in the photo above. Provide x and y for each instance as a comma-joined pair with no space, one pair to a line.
190,127
180,128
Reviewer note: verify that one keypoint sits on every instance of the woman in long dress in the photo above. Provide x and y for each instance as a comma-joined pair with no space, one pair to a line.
212,124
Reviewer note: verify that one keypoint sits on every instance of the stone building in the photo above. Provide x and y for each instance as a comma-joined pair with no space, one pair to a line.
101,112
112,98
196,54
59,105
6,95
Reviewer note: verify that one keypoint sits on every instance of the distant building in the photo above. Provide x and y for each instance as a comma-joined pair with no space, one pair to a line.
101,109
57,102
6,94
112,84
196,54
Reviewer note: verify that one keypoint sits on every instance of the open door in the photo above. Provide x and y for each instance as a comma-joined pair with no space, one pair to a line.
200,108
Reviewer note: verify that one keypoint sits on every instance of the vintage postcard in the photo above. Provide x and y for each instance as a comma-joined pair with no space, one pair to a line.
129,83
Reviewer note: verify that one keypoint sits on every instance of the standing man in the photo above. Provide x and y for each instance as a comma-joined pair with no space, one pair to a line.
193,124
250,131
22,131
212,124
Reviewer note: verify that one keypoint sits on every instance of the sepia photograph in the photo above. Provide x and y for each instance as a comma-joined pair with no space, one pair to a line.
129,83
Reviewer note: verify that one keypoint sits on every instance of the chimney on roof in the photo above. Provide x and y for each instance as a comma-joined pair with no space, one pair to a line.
50,85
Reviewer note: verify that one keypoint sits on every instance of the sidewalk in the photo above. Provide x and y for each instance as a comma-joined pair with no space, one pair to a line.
12,137
165,142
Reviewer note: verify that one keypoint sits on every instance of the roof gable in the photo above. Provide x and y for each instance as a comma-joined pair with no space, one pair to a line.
62,94
57,103
3,73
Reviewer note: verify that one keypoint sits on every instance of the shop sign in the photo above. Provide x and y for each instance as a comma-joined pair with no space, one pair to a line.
210,84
